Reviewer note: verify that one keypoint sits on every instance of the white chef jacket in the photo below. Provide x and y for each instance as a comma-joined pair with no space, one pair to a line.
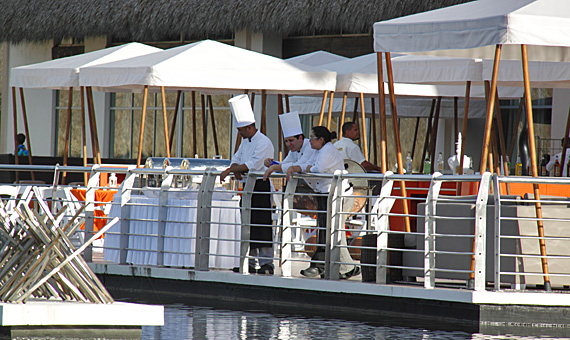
304,156
328,159
550,165
350,150
253,153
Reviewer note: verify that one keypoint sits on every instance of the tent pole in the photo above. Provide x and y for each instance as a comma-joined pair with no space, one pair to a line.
15,112
175,118
280,133
165,121
83,134
287,103
382,109
27,130
415,136
67,132
532,145
565,142
91,132
323,104
397,139
194,141
428,132
516,127
354,116
214,134
329,115
204,125
464,132
94,120
499,119
434,130
363,126
490,109
145,97
342,114
263,112
374,138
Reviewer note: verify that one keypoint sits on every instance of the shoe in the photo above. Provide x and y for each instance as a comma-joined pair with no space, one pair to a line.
354,272
312,272
252,270
266,269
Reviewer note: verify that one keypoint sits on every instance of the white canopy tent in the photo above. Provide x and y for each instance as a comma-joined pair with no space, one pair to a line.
63,74
542,24
210,67
317,58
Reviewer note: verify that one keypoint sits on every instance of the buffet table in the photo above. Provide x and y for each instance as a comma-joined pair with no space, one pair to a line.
180,231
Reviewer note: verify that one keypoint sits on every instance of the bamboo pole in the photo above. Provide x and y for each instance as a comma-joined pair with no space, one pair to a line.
434,132
280,133
323,104
354,116
91,131
15,122
175,118
165,121
455,116
374,138
342,114
27,130
329,115
194,140
415,136
463,133
263,127
499,119
490,109
67,133
204,125
94,120
83,134
532,145
213,120
564,144
363,126
397,139
382,108
287,103
145,97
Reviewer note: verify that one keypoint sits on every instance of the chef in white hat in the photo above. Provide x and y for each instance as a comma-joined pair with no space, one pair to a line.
253,150
300,151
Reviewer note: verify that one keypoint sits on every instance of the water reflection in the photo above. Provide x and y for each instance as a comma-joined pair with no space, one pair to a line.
183,322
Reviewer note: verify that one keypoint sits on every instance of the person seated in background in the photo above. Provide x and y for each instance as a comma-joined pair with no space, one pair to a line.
350,150
22,151
300,150
557,157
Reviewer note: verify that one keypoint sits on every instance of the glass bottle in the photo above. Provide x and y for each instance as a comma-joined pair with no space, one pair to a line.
557,169
518,167
440,162
427,165
409,164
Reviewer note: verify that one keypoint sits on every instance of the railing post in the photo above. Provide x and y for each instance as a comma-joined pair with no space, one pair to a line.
380,220
203,221
125,227
92,185
162,215
481,231
287,235
245,222
429,238
334,221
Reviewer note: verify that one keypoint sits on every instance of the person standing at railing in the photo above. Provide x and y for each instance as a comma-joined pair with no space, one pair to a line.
349,150
300,150
328,159
253,150
22,151
557,157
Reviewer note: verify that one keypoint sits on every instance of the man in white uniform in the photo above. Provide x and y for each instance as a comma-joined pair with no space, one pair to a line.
557,157
350,150
253,150
300,151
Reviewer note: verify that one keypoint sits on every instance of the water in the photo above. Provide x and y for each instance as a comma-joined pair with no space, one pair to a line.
185,322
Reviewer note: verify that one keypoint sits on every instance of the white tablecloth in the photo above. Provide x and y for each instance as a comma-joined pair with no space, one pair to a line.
182,214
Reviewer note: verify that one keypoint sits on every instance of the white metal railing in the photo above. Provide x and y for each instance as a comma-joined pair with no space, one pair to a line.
455,241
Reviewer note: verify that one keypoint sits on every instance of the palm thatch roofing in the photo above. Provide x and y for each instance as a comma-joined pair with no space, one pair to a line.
154,20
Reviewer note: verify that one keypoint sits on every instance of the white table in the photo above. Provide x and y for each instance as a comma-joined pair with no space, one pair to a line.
180,231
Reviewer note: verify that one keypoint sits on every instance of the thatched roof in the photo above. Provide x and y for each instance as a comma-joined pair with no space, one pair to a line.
155,20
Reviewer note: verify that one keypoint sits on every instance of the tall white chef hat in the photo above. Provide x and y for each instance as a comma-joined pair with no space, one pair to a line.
290,124
242,111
